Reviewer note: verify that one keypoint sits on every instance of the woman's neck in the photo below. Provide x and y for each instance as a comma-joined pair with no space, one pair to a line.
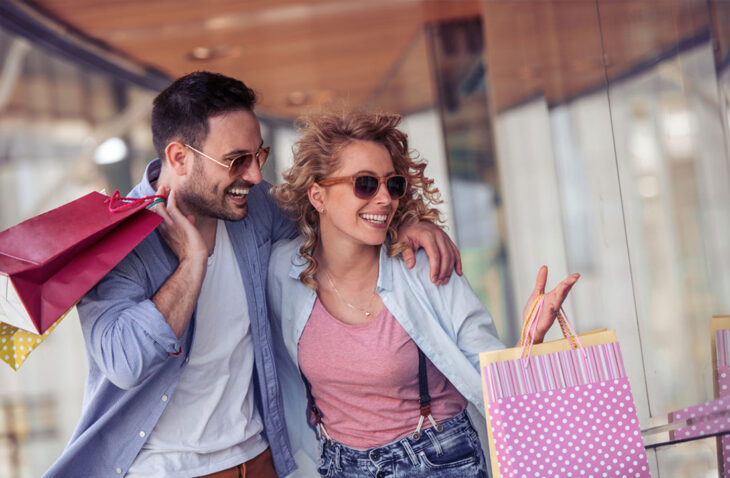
346,259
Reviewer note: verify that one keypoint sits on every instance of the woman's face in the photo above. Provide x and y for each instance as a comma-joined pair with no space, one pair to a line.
348,217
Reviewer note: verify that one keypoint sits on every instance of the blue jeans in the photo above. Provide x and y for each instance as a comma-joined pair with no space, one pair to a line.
453,452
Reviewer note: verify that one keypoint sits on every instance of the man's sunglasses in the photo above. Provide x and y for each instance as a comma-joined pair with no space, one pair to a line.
239,164
366,186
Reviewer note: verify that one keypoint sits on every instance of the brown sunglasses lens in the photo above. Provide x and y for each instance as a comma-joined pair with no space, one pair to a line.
241,163
367,186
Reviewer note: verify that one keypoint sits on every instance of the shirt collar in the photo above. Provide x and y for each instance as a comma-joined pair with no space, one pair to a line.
151,175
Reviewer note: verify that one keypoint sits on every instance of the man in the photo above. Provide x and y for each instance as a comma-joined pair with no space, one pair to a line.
181,374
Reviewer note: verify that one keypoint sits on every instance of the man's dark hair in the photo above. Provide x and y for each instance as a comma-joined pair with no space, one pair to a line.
181,111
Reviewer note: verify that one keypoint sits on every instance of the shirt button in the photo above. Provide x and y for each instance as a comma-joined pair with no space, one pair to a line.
164,398
119,471
142,434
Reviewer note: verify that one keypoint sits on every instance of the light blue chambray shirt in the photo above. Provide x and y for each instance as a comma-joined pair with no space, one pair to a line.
135,360
448,323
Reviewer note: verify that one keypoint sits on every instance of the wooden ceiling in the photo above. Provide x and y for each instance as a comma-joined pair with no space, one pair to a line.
293,53
558,48
299,53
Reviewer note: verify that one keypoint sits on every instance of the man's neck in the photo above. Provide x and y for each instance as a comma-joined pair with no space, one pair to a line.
207,227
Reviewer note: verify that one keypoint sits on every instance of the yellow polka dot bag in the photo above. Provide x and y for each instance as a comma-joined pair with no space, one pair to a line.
561,408
16,344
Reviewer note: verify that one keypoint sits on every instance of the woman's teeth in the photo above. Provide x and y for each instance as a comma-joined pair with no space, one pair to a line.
378,218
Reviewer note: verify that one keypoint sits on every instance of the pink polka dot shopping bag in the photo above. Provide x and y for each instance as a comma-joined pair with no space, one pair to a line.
562,408
720,327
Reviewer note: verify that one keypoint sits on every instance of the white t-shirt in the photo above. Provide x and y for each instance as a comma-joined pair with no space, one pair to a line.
211,422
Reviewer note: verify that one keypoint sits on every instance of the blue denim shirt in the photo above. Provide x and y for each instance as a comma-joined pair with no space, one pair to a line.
135,360
448,323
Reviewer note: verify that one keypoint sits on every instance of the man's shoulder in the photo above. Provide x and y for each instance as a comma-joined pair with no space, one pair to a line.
261,193
261,206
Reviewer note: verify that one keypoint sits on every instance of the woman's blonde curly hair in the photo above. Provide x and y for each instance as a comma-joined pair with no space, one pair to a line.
323,137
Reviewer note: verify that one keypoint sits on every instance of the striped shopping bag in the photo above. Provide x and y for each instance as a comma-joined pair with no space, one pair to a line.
720,326
561,408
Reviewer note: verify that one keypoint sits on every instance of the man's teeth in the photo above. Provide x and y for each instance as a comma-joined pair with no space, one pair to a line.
380,218
238,192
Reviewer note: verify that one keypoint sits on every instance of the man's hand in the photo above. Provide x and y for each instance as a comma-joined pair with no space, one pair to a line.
443,256
179,231
177,297
553,301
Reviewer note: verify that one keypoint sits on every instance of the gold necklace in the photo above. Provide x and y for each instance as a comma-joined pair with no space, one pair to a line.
367,313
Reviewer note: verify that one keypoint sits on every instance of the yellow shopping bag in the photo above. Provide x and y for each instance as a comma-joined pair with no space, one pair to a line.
16,344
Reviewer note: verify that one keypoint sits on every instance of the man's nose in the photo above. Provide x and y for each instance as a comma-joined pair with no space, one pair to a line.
252,173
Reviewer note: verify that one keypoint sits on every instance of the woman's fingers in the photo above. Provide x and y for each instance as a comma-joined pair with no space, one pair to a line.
541,281
553,303
557,296
536,292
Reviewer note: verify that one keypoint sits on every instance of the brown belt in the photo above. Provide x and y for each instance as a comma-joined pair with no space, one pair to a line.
261,466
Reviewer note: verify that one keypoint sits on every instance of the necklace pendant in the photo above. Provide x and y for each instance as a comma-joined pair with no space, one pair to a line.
368,314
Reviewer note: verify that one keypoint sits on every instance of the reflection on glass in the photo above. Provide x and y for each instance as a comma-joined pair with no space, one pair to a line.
610,122
670,153
457,49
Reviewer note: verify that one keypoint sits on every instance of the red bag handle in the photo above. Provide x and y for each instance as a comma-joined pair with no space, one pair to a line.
132,202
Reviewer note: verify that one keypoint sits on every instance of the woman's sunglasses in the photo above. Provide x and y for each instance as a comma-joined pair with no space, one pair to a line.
239,164
366,186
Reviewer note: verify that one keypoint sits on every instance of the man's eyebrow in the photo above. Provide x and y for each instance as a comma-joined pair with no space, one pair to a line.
239,152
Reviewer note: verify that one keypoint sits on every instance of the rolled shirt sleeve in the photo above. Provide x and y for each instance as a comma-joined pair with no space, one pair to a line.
126,336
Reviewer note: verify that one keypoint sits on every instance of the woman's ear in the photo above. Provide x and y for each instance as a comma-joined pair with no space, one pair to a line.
176,155
316,195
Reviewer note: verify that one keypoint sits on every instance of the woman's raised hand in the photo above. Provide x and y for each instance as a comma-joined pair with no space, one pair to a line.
553,301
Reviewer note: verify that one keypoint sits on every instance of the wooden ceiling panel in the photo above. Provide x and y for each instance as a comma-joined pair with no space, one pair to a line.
556,48
299,52
322,49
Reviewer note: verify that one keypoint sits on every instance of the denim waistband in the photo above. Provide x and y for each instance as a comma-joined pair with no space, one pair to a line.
406,447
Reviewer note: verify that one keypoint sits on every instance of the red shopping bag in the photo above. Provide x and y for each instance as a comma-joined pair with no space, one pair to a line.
50,261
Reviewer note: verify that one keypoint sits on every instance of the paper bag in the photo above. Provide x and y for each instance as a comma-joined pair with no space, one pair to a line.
50,261
720,333
16,344
562,410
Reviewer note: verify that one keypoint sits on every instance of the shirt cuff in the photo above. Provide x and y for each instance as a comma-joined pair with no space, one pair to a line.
155,325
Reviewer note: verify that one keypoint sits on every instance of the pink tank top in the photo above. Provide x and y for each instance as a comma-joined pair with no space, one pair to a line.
365,379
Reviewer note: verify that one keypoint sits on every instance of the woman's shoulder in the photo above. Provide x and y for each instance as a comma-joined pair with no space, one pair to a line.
421,272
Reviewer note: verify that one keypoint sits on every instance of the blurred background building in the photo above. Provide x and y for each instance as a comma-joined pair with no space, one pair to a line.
588,135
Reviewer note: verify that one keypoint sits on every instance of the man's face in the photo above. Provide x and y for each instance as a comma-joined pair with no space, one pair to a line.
208,191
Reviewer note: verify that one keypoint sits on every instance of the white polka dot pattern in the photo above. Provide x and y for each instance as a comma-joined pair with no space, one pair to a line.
589,430
704,419
16,344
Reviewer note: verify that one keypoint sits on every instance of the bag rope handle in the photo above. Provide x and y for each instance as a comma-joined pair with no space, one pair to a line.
529,329
132,202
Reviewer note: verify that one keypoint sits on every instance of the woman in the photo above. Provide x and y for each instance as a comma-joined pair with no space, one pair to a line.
388,360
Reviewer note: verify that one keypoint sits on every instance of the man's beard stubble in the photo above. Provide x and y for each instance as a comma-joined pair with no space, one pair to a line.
195,198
